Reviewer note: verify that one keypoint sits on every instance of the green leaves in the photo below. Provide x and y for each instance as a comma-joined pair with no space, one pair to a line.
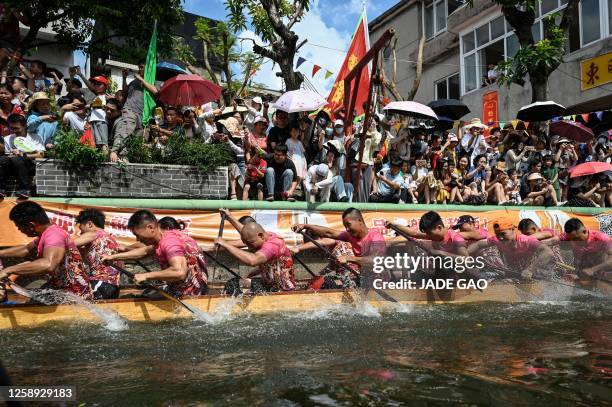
178,151
69,149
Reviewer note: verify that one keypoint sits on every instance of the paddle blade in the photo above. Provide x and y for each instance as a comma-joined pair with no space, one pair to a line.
316,283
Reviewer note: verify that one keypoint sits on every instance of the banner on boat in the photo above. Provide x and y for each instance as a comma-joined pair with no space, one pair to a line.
204,226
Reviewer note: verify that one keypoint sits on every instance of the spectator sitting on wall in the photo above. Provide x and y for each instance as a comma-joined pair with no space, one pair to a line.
173,125
281,175
254,177
389,182
318,183
20,90
40,119
334,151
17,152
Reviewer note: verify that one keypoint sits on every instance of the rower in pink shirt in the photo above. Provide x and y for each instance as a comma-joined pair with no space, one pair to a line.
529,228
366,243
57,257
523,255
182,266
592,249
466,225
444,241
268,253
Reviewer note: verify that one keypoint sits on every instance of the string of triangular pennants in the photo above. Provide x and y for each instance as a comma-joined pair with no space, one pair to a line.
315,68
585,117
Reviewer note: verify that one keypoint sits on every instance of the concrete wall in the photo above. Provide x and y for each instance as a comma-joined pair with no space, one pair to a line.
445,66
53,178
563,86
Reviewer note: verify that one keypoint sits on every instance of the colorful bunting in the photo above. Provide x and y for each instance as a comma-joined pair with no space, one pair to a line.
514,123
328,74
585,117
599,116
300,61
315,69
574,117
501,125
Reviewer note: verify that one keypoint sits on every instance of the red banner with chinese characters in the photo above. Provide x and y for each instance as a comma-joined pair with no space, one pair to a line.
489,108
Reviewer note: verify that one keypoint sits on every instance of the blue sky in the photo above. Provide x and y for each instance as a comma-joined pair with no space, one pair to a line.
328,27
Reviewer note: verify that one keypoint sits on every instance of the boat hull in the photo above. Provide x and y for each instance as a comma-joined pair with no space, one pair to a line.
153,310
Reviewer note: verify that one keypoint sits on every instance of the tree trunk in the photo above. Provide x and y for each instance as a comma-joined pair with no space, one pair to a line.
539,89
419,71
293,80
209,69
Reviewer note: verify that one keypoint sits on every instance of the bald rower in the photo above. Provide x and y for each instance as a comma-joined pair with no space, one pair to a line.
268,253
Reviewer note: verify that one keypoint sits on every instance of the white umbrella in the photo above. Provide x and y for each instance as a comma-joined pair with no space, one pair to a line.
413,109
301,100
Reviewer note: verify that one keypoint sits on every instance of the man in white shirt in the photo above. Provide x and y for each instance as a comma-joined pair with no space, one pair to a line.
17,153
318,182
254,110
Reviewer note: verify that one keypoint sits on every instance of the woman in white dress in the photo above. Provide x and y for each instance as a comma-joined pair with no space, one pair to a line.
296,151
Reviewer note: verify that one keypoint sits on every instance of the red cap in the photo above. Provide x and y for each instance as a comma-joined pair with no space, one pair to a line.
99,79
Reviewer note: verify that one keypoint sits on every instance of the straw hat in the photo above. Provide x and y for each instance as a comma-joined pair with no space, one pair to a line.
535,176
501,166
35,97
475,122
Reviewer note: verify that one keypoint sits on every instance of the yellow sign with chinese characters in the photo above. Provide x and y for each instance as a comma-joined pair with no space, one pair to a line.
596,71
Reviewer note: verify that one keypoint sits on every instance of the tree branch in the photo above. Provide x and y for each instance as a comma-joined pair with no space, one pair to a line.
419,70
568,14
297,15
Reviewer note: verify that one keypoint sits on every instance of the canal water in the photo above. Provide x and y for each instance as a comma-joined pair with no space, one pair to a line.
487,354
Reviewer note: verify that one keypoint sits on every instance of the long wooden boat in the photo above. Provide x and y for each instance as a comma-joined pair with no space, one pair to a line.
152,310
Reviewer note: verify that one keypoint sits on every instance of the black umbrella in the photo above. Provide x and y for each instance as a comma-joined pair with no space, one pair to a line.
452,108
444,123
541,111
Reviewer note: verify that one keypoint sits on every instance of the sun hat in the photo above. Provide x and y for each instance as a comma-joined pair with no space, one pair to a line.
338,122
475,122
35,97
534,176
257,100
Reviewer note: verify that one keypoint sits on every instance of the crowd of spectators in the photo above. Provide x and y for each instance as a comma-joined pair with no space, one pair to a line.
315,158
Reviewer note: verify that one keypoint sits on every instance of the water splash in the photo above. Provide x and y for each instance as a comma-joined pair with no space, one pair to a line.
112,321
222,313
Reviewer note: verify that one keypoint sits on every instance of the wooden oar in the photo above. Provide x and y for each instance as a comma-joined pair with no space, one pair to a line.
20,290
151,286
229,270
331,256
219,236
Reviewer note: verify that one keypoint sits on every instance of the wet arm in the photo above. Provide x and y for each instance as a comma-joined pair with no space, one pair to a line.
85,239
18,251
133,254
50,260
248,258
177,271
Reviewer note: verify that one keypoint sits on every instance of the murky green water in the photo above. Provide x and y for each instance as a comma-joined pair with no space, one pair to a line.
527,354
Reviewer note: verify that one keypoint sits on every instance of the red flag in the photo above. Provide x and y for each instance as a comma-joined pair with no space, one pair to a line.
315,69
359,46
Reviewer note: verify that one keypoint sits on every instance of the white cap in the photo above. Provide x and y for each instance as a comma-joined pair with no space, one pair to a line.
257,100
338,122
452,137
322,170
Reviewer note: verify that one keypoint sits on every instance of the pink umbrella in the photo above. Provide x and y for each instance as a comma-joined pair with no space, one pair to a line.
188,90
572,130
301,100
413,109
590,168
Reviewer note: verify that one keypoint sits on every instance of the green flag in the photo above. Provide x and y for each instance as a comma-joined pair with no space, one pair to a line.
149,76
